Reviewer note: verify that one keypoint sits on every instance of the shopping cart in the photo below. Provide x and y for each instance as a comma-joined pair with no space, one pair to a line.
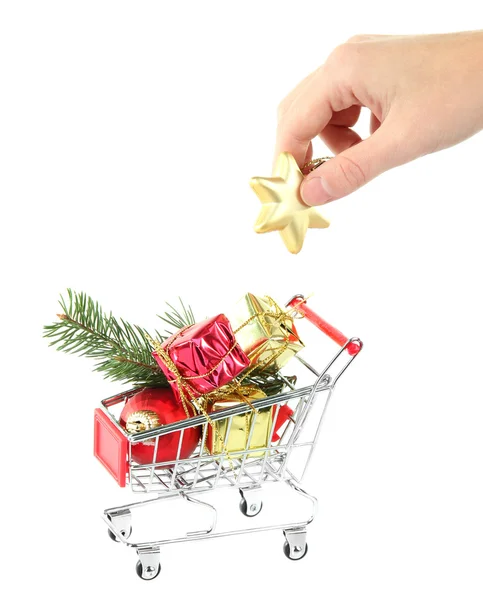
284,458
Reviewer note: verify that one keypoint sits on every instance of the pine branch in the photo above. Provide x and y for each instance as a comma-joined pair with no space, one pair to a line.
121,350
177,319
269,381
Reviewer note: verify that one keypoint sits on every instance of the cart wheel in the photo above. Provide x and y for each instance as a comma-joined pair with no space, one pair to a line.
298,552
250,511
149,573
125,534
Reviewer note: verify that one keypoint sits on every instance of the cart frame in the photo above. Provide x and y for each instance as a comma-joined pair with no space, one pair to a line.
246,470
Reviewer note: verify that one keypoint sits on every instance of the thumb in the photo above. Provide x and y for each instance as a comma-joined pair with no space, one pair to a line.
351,169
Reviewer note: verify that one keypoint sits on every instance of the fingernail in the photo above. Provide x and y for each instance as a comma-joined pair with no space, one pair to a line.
314,192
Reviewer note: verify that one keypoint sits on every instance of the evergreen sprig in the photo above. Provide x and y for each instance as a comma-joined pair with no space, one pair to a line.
177,319
121,350
271,384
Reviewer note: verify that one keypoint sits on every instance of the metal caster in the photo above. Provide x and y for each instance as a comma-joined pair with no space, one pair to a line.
121,521
125,534
149,572
251,503
251,510
148,566
295,546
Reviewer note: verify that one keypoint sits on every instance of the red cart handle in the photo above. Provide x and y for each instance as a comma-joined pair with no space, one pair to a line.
300,305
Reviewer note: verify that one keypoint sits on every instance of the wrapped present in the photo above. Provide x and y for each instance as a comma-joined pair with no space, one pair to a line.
201,358
264,331
219,439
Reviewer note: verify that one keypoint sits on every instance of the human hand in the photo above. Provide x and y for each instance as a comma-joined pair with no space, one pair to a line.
425,93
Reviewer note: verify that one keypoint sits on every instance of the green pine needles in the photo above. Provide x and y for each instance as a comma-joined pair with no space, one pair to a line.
122,351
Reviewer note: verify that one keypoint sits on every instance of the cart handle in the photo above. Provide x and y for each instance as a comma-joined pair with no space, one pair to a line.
299,304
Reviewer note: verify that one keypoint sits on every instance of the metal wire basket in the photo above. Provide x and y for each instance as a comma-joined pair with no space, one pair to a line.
284,457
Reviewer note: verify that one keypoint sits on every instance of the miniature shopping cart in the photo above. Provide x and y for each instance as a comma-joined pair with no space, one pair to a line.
284,458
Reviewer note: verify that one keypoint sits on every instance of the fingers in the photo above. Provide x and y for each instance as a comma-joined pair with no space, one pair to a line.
287,101
347,117
284,108
337,135
375,123
305,114
353,167
339,138
323,98
309,154
328,104
404,82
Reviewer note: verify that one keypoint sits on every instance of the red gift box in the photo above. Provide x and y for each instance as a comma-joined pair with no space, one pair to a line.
201,358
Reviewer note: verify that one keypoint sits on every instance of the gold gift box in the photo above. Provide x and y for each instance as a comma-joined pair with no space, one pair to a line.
218,438
265,332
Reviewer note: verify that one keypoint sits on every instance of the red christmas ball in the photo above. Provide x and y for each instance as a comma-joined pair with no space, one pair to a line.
162,408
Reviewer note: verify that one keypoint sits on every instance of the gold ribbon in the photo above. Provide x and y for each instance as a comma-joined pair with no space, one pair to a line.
314,164
241,392
186,391
189,395
277,316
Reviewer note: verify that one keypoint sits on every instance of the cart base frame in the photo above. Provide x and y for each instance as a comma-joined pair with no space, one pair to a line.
118,521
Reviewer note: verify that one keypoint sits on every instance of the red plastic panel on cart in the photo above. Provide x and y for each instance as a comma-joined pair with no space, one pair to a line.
110,447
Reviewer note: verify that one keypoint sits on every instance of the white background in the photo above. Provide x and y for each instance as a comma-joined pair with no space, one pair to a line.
129,131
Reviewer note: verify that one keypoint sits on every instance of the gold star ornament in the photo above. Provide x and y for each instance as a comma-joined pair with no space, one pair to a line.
282,207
